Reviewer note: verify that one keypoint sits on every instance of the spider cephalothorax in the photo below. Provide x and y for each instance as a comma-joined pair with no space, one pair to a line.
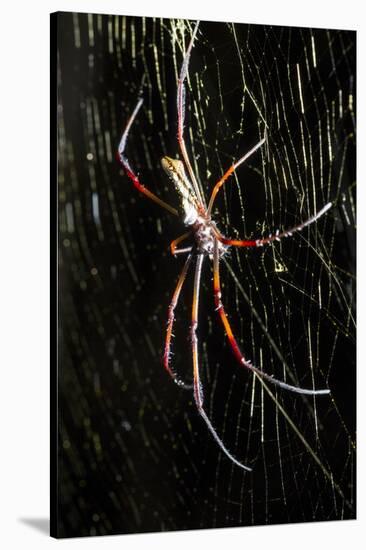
209,242
204,232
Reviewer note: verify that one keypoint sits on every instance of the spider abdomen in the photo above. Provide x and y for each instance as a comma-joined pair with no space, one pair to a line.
190,206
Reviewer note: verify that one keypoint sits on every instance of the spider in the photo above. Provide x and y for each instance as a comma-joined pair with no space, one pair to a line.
209,242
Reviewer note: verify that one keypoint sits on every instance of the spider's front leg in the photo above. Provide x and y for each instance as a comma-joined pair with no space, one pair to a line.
277,236
197,385
171,319
234,345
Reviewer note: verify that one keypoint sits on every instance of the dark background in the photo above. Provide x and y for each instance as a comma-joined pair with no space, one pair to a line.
133,454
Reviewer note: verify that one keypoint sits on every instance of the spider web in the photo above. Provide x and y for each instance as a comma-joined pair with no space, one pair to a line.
134,455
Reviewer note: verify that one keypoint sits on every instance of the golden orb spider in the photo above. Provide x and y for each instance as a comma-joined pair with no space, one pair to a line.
209,242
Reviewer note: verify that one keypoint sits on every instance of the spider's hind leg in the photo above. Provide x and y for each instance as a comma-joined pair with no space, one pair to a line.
129,171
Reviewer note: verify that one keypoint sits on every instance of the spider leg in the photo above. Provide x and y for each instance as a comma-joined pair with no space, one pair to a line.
271,238
181,115
171,318
183,250
233,343
174,244
197,385
228,173
130,173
